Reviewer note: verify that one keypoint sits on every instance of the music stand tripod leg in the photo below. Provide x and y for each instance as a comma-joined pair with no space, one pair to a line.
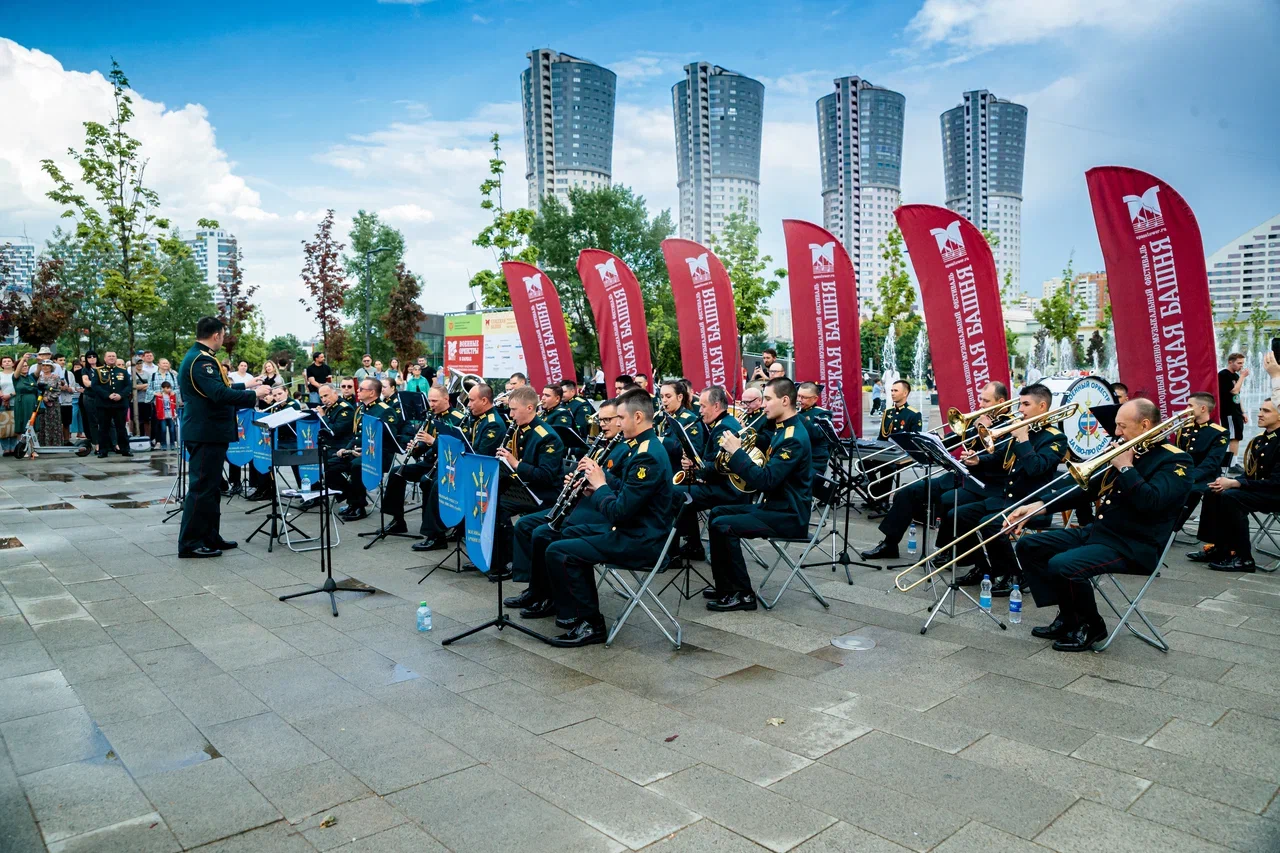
502,621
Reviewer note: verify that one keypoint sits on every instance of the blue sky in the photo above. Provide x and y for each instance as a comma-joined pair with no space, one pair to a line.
274,111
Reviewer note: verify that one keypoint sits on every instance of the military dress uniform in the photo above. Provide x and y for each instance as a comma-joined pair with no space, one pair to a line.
1207,444
709,487
666,431
540,465
106,381
582,412
424,461
533,534
348,471
341,418
786,481
1028,465
560,417
1135,514
637,506
817,437
208,426
896,419
1224,519
485,435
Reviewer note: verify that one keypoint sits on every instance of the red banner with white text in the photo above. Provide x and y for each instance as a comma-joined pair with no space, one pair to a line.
543,334
960,292
1158,284
705,315
618,307
824,320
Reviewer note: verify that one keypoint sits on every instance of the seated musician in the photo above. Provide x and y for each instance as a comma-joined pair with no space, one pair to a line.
1138,497
421,450
786,483
533,534
707,486
636,503
897,418
752,402
1030,459
348,471
484,428
533,454
578,407
1207,444
340,416
286,437
553,411
1224,519
808,395
912,501
623,383
675,407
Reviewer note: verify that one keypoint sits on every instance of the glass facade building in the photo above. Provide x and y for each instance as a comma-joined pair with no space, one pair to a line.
212,251
568,108
1245,273
860,149
983,150
17,264
719,120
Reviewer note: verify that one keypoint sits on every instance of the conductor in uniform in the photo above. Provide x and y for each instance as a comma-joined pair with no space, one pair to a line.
208,426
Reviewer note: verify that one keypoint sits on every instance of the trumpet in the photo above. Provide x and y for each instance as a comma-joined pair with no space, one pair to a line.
988,436
960,422
1081,472
748,439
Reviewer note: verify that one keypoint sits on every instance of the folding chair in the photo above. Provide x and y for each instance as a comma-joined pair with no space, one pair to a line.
824,493
639,588
1156,639
294,501
1266,530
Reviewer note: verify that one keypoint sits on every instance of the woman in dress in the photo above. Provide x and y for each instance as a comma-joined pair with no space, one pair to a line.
6,402
24,396
49,424
395,374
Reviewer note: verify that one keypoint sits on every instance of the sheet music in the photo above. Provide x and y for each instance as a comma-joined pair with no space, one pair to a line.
281,418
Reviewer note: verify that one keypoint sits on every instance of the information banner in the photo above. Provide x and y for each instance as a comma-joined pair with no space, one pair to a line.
240,451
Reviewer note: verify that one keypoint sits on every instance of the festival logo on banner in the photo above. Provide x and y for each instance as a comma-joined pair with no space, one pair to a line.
824,320
308,432
540,321
1158,285
370,452
706,316
480,501
618,309
449,450
961,295
240,451
262,450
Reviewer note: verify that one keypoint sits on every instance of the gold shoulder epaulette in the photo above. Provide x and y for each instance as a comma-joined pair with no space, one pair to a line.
644,446
541,430
1218,427
1172,448
1052,430
790,431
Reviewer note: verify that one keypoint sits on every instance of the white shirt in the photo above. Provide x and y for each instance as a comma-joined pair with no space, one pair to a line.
239,377
6,383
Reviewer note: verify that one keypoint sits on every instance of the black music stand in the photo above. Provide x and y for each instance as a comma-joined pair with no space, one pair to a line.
178,494
574,444
413,406
458,543
381,533
845,484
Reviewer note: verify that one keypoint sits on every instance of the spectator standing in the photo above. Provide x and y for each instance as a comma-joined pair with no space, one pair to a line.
393,373
144,368
166,415
88,404
270,374
317,373
6,402
164,373
416,381
242,375
365,370
1230,380
49,426
73,382
877,396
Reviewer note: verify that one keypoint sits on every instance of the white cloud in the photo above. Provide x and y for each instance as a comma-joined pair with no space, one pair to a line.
642,68
481,19
406,213
992,23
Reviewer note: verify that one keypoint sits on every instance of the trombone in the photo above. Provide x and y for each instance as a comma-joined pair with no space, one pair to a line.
960,422
1081,472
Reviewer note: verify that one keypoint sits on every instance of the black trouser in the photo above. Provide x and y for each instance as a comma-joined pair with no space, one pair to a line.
980,519
202,509
1224,520
111,428
432,527
89,418
571,566
397,482
726,528
351,481
911,504
705,496
1057,565
531,537
513,500
1198,491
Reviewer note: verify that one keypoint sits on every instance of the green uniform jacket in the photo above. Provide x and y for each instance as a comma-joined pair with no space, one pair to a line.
486,433
990,468
561,417
786,478
582,412
817,438
388,415
1261,473
1207,445
210,401
541,455
900,419
115,380
637,502
341,419
1032,463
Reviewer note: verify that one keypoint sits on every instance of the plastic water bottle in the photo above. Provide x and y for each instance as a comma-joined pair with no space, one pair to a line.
424,617
306,484
1015,605
913,546
984,597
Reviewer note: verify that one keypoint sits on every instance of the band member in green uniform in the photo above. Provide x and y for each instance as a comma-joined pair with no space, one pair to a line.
808,394
553,411
580,408
422,450
532,455
348,475
707,486
676,402
1207,444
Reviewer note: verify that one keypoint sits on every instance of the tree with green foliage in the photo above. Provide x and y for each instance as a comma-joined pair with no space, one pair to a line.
894,306
287,349
1259,321
404,316
43,316
250,345
80,271
323,276
507,236
186,296
738,247
1061,314
1229,335
368,233
235,305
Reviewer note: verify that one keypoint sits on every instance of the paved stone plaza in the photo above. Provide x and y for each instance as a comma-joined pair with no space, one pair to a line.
152,704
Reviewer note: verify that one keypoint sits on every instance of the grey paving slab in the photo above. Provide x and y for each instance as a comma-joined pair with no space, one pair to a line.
119,611
52,739
91,663
442,666
14,629
1060,772
801,691
250,645
767,818
36,693
540,673
457,810
126,697
262,745
160,742
1256,678
95,591
907,723
300,688
314,638
1212,821
144,834
175,663
526,707
1262,704
843,836
209,701
145,635
1224,748
705,837
208,801
73,799
992,715
1089,827
304,791
276,837
626,753
353,820
405,838
914,823
1160,701
977,837
24,658
69,633
1263,729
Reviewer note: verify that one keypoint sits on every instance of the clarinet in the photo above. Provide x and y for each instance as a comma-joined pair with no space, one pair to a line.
557,508
577,485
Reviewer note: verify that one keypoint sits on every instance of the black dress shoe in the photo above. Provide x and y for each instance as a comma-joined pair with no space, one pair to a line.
585,633
710,592
567,624
524,599
225,545
431,543
502,574
733,601
883,551
1055,630
1205,555
394,527
1243,565
971,578
1082,638
126,452
259,495
103,455
1002,585
539,610
199,553
354,514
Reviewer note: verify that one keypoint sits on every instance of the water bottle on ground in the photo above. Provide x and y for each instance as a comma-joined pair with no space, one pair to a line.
913,546
984,597
306,484
1015,605
424,617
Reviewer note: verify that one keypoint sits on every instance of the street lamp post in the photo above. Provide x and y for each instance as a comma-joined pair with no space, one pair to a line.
368,286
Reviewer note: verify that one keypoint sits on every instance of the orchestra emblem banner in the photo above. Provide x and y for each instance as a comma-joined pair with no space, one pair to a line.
543,335
240,451
824,320
706,316
262,449
308,435
370,452
1158,284
479,481
618,308
449,450
961,295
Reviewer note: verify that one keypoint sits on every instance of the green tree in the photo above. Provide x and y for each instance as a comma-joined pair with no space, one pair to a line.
367,234
616,220
287,349
1259,321
44,315
249,345
894,306
186,296
738,247
80,272
507,236
1231,328
404,316
1061,314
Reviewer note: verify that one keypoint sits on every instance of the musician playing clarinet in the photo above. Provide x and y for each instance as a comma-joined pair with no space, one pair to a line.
421,459
532,453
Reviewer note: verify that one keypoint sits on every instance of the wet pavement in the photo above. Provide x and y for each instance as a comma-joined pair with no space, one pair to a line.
148,703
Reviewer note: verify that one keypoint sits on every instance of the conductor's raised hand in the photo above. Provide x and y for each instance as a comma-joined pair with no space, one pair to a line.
263,391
